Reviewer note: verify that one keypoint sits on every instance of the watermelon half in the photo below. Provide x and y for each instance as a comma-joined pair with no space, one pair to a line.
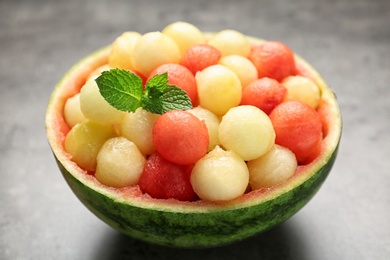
190,224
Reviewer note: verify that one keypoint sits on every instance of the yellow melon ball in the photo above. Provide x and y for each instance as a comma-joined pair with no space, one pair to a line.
220,175
152,50
72,111
95,107
137,127
119,163
122,50
230,42
184,34
219,89
242,66
248,131
212,123
274,167
84,141
302,89
97,72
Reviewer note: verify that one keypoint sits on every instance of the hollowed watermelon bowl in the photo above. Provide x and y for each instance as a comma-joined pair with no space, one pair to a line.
191,224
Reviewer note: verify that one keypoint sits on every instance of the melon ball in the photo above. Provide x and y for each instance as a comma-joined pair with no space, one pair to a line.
220,176
72,111
138,127
122,50
152,50
242,66
248,131
180,137
272,59
264,93
119,163
95,107
200,56
162,179
184,34
298,127
274,167
84,141
98,71
302,89
212,123
219,89
231,42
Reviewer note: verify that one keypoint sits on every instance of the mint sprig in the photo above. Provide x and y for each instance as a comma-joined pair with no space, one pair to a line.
124,91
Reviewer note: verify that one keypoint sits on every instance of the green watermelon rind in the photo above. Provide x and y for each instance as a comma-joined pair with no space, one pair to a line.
192,230
186,224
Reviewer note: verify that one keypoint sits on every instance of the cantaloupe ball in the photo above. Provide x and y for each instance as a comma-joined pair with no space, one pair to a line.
231,42
122,50
242,66
212,123
138,127
274,167
119,163
220,175
302,89
152,50
219,89
248,131
72,111
84,141
95,107
184,34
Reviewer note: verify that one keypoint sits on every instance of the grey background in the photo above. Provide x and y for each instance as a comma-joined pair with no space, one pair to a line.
347,41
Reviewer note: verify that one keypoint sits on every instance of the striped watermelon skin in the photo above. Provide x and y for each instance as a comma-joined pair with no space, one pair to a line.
189,224
196,230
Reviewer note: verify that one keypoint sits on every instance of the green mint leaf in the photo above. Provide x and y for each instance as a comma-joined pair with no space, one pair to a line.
154,88
175,98
121,89
157,83
152,104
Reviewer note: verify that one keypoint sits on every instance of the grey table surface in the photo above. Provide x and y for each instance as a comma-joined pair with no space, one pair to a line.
347,41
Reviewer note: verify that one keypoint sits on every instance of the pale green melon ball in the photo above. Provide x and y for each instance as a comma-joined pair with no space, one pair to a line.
152,50
84,141
138,127
212,123
230,42
72,111
242,66
302,89
220,175
248,131
98,71
122,50
184,34
95,107
219,89
274,167
119,163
